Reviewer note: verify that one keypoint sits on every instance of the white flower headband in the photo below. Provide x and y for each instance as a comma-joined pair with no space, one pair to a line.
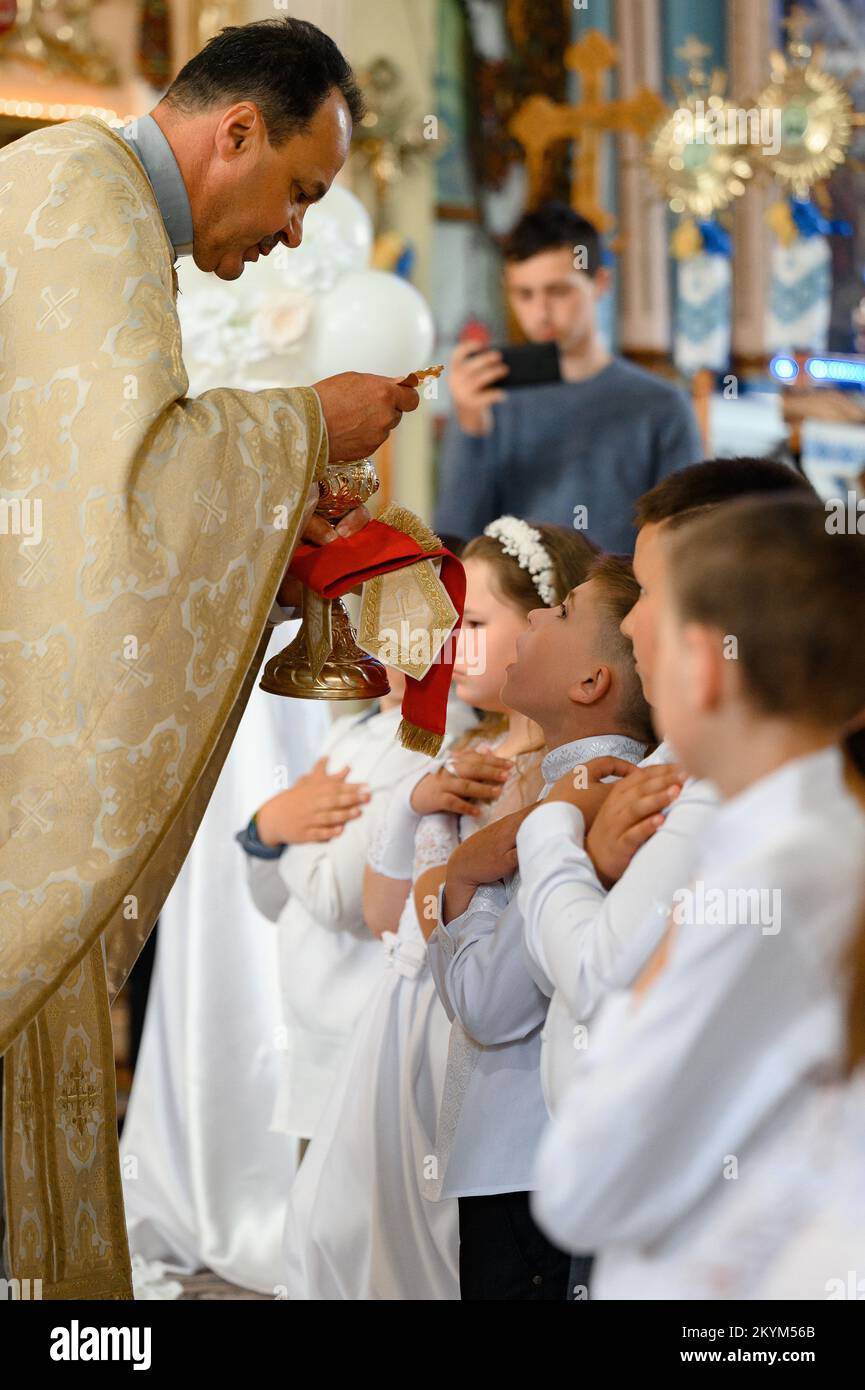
524,543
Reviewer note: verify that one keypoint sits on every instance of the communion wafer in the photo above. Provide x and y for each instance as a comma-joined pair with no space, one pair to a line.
422,375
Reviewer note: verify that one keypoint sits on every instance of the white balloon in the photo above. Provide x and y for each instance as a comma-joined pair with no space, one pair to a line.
371,322
337,238
353,222
220,319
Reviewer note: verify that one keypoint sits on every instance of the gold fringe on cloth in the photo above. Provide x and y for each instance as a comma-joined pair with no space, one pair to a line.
401,519
419,740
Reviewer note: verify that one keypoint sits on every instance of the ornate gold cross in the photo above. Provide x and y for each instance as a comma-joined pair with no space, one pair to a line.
797,24
77,1097
692,52
540,123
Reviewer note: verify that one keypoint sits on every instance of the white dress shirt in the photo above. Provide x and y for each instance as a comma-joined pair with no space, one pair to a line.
582,941
493,1111
792,1224
686,1084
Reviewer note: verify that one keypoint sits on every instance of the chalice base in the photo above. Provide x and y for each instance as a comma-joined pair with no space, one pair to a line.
347,674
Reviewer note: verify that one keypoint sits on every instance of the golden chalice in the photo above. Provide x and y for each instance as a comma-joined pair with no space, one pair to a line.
324,661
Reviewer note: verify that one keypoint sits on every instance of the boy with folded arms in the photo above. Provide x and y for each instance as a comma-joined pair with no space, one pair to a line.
574,676
595,894
759,670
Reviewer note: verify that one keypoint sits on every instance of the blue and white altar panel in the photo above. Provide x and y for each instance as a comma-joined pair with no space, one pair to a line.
800,296
833,456
703,303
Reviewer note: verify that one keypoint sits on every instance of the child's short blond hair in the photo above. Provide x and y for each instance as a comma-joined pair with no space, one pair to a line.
766,571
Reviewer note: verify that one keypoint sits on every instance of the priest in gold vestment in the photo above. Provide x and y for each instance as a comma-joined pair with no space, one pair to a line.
145,541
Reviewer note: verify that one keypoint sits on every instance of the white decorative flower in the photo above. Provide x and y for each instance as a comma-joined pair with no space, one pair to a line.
321,260
523,542
280,323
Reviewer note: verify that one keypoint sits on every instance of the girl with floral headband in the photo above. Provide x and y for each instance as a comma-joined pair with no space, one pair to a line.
359,1227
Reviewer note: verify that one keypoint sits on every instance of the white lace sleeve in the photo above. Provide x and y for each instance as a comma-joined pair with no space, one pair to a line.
391,844
392,840
435,841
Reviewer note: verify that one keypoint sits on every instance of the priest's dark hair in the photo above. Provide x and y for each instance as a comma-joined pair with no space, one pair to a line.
549,227
287,66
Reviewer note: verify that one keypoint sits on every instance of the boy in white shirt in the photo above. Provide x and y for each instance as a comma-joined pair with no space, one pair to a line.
594,907
574,676
595,891
759,668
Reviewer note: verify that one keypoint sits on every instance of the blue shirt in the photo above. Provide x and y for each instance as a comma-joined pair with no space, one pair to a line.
597,444
144,136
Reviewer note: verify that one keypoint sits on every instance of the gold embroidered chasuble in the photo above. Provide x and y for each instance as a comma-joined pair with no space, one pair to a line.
146,537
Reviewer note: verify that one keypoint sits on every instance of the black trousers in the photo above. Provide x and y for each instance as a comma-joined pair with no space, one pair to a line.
503,1254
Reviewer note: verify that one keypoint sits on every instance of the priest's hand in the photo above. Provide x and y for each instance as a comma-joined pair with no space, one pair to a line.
315,809
318,531
360,411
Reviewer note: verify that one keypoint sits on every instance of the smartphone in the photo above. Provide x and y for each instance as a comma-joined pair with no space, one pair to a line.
529,364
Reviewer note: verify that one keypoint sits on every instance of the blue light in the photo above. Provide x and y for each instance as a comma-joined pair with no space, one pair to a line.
784,368
849,371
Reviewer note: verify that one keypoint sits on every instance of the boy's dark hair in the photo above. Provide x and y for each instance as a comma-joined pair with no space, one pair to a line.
549,227
767,571
716,480
614,577
286,66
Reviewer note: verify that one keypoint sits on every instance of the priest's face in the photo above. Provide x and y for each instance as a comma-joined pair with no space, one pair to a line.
553,301
251,195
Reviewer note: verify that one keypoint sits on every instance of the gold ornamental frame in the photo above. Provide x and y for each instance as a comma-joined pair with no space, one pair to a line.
53,67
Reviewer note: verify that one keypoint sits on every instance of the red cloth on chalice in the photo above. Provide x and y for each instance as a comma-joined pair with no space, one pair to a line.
334,569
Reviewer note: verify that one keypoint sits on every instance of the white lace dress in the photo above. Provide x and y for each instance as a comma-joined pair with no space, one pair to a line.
358,1227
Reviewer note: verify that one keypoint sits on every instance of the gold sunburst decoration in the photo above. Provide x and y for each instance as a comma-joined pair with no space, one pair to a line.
696,158
814,112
